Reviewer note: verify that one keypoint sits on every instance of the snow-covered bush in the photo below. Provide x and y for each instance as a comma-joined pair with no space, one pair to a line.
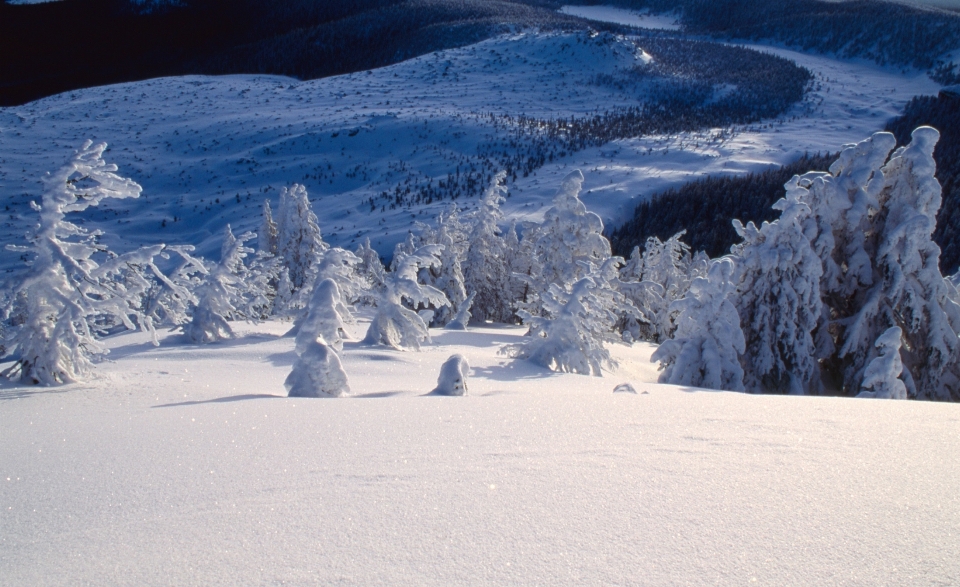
395,324
317,372
778,301
570,337
881,379
221,294
657,277
65,287
323,320
707,340
370,272
453,376
172,295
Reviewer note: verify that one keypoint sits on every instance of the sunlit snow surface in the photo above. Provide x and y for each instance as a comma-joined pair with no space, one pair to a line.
191,141
181,465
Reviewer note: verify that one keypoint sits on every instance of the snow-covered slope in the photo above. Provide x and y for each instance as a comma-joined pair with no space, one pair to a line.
180,465
208,149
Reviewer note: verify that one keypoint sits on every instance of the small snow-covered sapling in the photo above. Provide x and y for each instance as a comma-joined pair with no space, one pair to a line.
453,376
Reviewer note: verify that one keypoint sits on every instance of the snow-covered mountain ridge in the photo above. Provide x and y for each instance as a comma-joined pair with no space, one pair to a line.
207,150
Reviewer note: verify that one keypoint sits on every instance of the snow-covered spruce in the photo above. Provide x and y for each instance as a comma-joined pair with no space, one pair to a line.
462,317
453,376
657,277
170,297
65,286
778,301
447,275
485,271
394,324
881,379
317,372
370,273
299,244
323,321
570,337
707,340
568,240
221,295
871,225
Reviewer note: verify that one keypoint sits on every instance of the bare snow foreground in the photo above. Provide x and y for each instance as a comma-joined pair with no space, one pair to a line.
184,465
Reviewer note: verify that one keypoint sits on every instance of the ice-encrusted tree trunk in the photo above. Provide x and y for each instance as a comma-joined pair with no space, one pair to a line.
707,340
778,301
881,379
485,269
578,321
221,294
395,324
65,286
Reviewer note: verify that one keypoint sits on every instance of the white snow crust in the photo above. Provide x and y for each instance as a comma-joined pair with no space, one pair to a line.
184,465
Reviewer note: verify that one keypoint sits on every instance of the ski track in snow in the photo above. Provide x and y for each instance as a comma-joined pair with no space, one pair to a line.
191,141
181,465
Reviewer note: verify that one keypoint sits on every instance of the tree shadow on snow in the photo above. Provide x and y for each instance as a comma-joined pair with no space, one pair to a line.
179,342
15,390
222,400
514,370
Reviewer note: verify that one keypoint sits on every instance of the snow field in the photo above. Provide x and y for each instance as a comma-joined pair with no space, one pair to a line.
182,465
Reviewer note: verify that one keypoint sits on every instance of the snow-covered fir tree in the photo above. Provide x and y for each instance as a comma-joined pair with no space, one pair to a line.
707,339
395,323
317,372
881,379
658,276
447,276
778,301
171,296
299,243
485,272
570,238
268,233
370,272
65,288
578,321
323,321
873,217
220,297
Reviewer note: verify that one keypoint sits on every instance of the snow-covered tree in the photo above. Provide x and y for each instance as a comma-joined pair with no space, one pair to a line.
778,301
578,321
485,271
462,317
395,324
447,276
172,295
707,339
268,233
299,243
221,294
881,379
65,287
323,320
317,372
570,238
873,217
659,276
453,376
371,273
